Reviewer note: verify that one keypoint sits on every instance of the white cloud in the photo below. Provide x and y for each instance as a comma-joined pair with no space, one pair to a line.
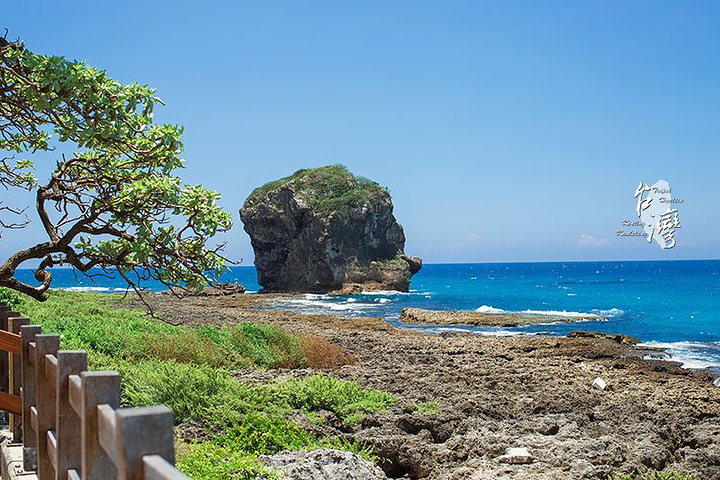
466,240
587,240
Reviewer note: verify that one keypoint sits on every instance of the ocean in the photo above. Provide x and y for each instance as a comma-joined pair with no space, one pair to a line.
669,304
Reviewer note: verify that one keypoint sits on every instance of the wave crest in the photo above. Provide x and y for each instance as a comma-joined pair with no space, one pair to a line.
489,309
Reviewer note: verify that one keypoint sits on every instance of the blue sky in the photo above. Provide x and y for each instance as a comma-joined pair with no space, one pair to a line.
505,131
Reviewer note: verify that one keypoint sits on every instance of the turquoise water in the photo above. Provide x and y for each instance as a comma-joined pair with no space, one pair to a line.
672,304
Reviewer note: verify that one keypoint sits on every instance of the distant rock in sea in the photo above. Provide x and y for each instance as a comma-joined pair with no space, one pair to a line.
326,230
420,316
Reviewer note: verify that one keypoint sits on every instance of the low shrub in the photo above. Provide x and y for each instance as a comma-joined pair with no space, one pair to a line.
323,392
322,353
12,299
208,461
261,434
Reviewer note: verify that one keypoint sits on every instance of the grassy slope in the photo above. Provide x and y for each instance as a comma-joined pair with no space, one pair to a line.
187,369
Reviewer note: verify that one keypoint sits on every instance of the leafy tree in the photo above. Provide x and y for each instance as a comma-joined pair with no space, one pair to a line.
115,202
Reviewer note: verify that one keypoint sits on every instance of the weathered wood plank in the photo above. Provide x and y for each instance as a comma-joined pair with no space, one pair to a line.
33,420
10,342
51,369
5,344
15,360
98,388
157,468
67,421
27,336
10,403
107,432
75,393
52,448
46,344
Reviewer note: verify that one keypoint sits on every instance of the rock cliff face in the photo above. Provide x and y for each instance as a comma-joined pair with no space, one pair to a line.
324,230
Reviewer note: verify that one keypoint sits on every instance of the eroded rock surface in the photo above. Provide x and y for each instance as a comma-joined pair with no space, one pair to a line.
323,464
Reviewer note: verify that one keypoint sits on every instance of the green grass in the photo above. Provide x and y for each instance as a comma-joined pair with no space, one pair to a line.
212,462
188,369
228,459
11,299
322,392
431,406
88,321
326,189
212,396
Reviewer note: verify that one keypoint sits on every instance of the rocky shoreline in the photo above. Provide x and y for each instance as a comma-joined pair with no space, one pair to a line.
490,394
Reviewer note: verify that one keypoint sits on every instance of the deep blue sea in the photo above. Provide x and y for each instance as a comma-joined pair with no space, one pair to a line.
670,304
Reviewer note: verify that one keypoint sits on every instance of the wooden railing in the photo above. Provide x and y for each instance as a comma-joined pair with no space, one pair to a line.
68,418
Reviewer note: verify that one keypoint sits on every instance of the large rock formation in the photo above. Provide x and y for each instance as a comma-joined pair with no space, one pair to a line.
324,230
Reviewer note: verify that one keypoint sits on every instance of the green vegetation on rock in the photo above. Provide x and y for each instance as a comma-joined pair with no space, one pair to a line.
188,369
326,190
431,406
394,262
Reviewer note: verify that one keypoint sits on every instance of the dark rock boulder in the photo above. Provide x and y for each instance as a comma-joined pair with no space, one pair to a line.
325,230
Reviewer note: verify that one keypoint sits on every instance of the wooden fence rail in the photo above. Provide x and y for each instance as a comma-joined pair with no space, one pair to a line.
69,419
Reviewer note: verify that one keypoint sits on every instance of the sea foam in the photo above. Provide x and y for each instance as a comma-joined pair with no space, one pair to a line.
695,355
94,289
489,309
561,313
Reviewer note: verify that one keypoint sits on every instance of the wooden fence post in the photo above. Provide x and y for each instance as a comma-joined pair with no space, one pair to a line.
139,432
27,336
46,345
98,388
67,422
15,361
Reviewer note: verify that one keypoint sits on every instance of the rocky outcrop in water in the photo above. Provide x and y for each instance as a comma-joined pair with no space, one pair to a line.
325,230
420,316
